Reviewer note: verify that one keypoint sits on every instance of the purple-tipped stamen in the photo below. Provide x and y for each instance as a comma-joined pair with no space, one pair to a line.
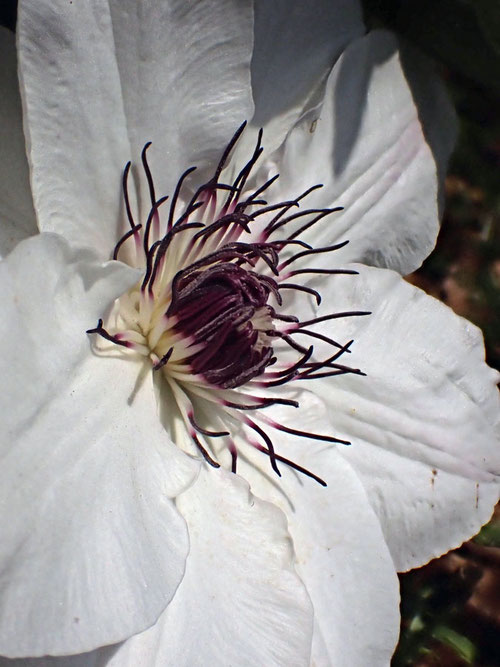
208,309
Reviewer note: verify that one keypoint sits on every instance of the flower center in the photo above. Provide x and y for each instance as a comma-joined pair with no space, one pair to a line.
208,311
223,308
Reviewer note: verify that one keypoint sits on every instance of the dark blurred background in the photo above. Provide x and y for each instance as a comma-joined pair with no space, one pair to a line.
451,607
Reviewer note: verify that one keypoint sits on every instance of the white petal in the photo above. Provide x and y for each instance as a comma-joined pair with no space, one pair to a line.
102,78
240,602
74,118
341,553
296,44
367,146
185,75
92,546
17,217
424,423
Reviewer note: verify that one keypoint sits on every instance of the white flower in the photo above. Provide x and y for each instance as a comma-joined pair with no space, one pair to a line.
112,521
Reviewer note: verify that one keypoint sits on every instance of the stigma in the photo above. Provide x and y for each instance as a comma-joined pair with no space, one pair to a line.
208,313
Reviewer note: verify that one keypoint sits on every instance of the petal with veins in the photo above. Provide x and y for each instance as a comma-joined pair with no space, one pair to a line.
92,546
367,146
424,423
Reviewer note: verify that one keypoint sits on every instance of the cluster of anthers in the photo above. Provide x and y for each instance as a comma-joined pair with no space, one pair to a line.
207,311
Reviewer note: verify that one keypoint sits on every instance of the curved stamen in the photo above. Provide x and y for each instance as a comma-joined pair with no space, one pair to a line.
315,220
241,179
204,431
272,226
301,433
208,312
312,251
290,370
302,288
293,465
312,334
324,272
227,151
164,360
263,403
204,452
334,316
153,215
175,197
101,331
252,199
124,238
147,171
268,441
126,198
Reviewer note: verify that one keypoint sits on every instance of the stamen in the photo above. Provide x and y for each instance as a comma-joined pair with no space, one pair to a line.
99,329
204,452
312,334
293,465
302,288
334,316
147,171
208,312
325,272
263,188
292,369
268,441
301,433
234,455
153,214
319,217
130,217
164,360
262,403
175,197
161,247
227,151
204,431
271,227
242,177
313,251
126,236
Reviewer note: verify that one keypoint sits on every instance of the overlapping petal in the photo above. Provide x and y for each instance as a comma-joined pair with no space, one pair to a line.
367,146
17,217
424,423
185,77
92,546
240,602
341,552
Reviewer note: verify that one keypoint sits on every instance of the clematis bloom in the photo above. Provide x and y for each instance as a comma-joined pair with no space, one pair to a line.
119,529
